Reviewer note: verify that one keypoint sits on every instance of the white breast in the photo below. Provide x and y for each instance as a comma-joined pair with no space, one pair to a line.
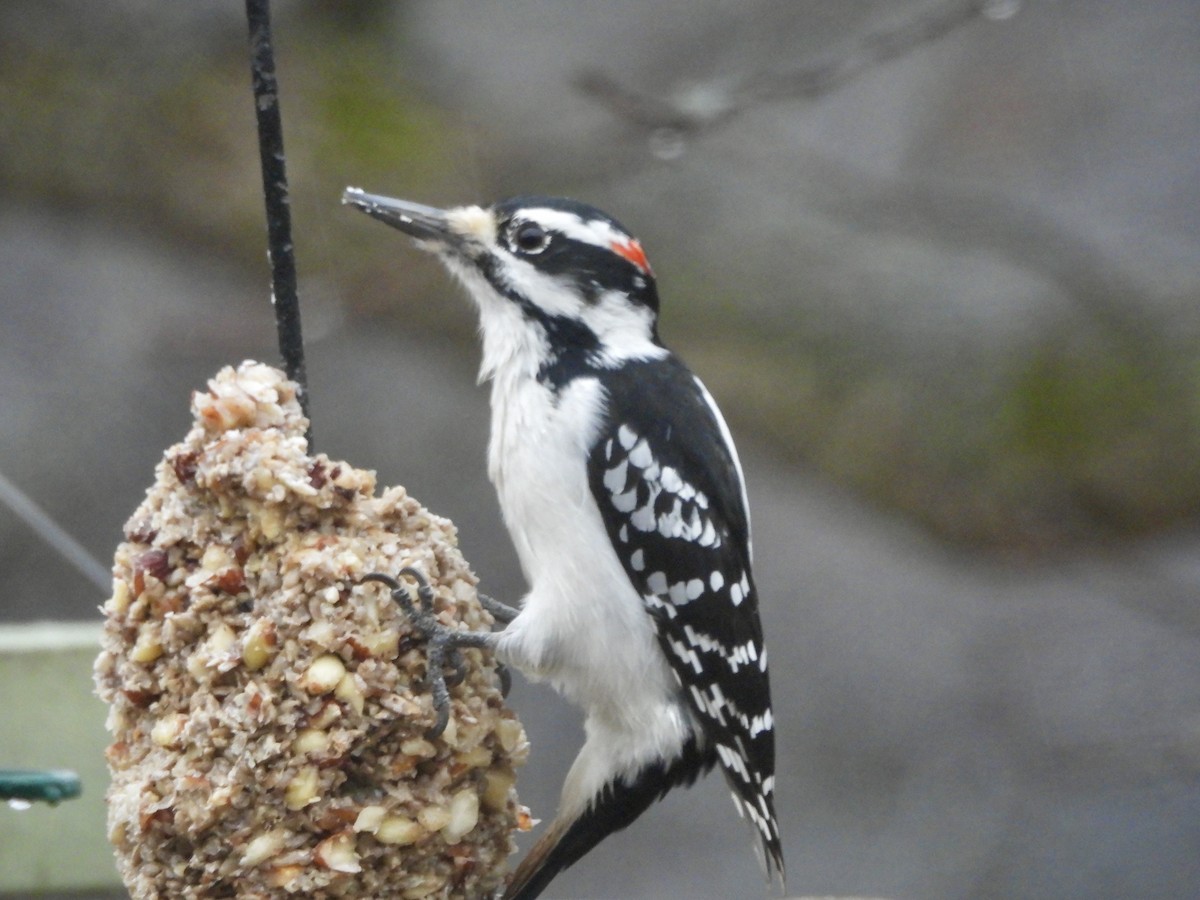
582,627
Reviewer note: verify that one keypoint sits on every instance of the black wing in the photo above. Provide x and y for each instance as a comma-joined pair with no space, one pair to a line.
671,495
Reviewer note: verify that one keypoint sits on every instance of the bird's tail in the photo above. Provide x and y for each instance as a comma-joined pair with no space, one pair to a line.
543,862
616,806
754,800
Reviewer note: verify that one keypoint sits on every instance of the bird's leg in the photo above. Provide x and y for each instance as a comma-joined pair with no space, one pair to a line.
501,612
442,643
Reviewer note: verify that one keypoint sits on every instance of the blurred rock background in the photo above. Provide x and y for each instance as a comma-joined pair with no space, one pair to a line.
939,262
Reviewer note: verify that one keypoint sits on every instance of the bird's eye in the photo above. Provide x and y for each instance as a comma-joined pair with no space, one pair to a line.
530,237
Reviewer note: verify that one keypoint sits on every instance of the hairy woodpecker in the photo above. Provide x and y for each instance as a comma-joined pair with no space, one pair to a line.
622,491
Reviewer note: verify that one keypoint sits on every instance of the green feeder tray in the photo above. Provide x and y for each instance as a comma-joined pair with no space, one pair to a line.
45,786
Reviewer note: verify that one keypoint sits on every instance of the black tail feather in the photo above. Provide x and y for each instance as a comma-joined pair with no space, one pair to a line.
614,809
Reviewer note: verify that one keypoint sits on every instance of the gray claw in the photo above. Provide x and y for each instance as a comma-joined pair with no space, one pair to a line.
443,643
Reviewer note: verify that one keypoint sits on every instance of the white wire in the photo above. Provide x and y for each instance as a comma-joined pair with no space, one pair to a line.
54,534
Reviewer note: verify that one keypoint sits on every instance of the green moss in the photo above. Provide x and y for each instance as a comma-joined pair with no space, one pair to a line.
1088,432
1086,437
370,125
1067,404
1110,428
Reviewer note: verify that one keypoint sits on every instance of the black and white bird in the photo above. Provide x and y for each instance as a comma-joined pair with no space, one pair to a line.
623,494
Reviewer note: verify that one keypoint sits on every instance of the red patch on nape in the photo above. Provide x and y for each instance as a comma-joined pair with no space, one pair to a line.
632,251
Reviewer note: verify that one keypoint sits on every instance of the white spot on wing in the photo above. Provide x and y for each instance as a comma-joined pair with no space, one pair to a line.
643,518
762,723
653,601
669,524
614,478
687,655
625,502
694,526
671,481
640,455
733,762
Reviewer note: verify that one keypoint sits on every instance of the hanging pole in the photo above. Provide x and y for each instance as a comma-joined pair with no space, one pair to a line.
280,250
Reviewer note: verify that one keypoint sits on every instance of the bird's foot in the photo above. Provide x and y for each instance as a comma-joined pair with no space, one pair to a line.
501,612
442,644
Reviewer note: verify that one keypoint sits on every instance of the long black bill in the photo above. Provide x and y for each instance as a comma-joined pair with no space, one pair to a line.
425,223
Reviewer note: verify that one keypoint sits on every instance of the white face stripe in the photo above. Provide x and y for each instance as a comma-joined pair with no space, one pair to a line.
547,292
592,231
624,329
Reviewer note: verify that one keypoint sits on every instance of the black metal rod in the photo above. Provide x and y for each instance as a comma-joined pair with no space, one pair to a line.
280,250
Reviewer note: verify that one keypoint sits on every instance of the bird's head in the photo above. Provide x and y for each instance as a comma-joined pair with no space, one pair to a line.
556,276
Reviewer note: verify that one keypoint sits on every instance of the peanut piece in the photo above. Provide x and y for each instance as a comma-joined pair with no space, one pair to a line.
262,847
324,674
302,789
399,830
